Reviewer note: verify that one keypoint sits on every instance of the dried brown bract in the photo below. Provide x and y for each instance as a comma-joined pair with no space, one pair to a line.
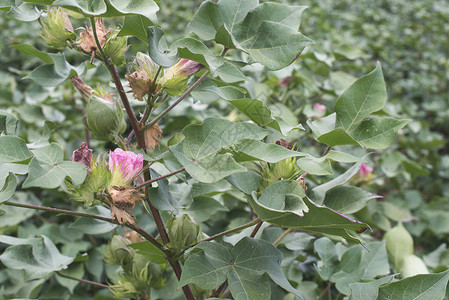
87,39
123,200
152,136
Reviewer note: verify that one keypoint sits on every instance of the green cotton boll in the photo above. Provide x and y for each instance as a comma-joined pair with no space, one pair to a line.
282,170
115,48
103,119
119,253
182,231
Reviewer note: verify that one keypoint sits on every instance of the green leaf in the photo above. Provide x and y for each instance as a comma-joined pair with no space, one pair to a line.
419,287
30,50
245,267
49,170
8,188
8,122
203,208
145,8
92,226
368,290
198,152
160,55
315,165
246,182
258,150
365,96
38,257
284,204
75,270
377,133
160,196
319,192
150,251
13,149
25,12
399,244
267,32
136,26
86,7
347,199
352,123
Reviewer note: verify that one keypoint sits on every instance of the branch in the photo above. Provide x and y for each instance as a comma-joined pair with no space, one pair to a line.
283,235
136,228
119,86
159,178
84,280
256,229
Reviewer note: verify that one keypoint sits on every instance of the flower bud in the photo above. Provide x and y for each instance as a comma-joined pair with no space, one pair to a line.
115,48
86,91
118,252
175,80
57,29
83,155
182,231
365,170
141,79
124,288
103,119
145,273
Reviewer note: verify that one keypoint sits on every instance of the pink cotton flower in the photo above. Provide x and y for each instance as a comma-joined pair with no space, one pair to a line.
365,170
124,166
320,107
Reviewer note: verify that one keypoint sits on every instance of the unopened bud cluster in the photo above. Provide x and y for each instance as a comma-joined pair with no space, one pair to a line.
143,81
139,273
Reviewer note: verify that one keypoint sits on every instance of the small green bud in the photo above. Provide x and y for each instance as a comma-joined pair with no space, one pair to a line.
175,80
124,288
119,253
103,119
146,274
115,48
57,29
282,170
182,231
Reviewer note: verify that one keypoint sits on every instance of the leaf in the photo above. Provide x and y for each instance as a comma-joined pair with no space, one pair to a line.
368,290
92,226
319,192
150,251
160,196
198,152
136,25
315,165
203,208
86,7
75,270
8,122
399,244
246,182
377,133
245,267
25,12
38,257
352,123
8,188
30,50
161,56
267,32
49,170
365,96
284,204
13,149
347,199
145,8
419,287
258,150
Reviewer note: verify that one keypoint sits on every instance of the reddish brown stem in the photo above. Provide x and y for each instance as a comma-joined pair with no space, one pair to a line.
159,178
